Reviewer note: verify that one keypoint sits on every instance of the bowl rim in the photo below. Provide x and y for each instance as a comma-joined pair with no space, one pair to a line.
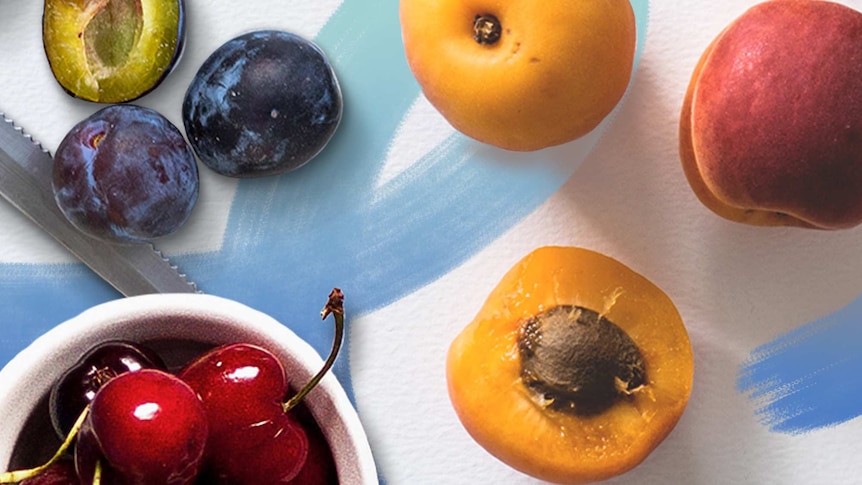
21,381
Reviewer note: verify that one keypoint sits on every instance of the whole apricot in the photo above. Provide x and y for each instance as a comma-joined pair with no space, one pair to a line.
575,368
521,75
771,123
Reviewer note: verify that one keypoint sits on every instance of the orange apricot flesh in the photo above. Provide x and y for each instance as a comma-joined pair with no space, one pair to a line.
501,413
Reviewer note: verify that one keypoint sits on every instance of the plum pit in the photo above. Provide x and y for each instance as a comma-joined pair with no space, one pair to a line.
113,32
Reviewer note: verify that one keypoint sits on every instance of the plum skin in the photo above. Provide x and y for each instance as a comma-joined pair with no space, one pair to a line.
264,103
125,174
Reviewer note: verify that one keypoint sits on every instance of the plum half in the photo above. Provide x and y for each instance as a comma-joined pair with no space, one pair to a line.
112,51
263,103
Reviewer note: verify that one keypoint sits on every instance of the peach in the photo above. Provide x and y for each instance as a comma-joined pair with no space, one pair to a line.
771,123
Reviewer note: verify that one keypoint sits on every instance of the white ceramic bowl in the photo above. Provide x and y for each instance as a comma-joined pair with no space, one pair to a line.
178,326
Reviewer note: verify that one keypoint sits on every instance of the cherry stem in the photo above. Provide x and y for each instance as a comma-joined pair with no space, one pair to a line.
97,473
16,476
335,306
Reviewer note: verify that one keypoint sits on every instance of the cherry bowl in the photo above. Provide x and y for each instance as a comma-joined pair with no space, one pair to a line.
179,327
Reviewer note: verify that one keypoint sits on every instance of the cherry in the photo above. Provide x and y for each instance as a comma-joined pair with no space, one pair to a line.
319,468
88,456
61,472
254,436
76,387
54,467
242,387
138,424
150,428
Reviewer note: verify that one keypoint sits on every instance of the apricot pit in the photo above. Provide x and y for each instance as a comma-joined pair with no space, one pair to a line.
575,368
575,360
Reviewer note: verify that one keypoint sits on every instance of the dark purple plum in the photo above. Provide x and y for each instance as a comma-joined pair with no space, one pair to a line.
125,173
263,103
79,384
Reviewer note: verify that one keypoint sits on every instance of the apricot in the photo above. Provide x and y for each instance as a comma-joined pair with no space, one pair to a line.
575,368
112,51
521,75
771,123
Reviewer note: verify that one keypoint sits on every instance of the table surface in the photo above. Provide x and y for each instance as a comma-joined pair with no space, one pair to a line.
417,223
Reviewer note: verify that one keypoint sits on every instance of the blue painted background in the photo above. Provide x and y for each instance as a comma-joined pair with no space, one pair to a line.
291,238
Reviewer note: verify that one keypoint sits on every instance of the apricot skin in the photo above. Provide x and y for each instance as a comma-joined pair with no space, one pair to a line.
483,370
556,72
771,122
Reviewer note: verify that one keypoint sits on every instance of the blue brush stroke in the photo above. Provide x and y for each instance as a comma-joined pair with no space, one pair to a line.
808,378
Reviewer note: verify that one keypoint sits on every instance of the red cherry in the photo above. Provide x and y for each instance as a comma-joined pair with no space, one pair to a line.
251,440
88,456
319,467
71,393
255,438
243,383
61,472
150,427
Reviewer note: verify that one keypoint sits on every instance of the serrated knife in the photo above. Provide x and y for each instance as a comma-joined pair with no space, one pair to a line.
25,181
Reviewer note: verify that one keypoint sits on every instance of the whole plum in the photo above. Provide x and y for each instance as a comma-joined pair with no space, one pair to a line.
263,103
125,173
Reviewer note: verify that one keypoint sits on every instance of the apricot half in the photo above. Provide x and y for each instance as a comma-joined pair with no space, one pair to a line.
771,123
112,51
574,370
520,74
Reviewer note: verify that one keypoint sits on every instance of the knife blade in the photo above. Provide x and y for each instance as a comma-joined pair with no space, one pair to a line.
25,182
